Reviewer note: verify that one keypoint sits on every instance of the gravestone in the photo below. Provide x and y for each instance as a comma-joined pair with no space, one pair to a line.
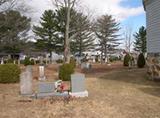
19,61
29,69
83,65
26,82
78,61
41,73
86,65
99,59
41,59
78,85
78,82
106,60
94,59
46,87
2,61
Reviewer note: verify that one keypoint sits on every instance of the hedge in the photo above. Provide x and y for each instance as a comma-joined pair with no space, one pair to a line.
65,72
127,59
141,61
9,73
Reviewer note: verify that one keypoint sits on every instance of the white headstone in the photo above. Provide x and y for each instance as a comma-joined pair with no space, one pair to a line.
94,60
26,83
106,60
88,65
54,57
2,61
41,73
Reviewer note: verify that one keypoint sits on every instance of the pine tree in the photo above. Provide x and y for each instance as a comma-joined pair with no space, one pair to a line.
80,34
84,39
106,29
141,61
13,30
140,40
47,33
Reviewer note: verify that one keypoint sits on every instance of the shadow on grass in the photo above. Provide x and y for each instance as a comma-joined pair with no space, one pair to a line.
99,69
151,90
133,76
137,77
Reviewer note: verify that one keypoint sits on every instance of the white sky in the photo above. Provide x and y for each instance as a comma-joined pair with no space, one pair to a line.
98,7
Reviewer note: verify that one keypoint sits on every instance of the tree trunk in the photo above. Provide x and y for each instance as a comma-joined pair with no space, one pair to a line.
105,52
67,42
80,48
101,55
51,60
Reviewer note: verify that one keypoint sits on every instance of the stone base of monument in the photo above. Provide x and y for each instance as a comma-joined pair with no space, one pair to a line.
28,95
79,94
48,95
45,95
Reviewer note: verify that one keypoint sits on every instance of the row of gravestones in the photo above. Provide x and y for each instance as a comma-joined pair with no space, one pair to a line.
78,60
46,89
2,61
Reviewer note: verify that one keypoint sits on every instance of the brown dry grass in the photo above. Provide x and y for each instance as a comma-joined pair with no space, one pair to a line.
114,92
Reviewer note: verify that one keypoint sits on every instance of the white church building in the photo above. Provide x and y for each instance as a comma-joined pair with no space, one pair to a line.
152,8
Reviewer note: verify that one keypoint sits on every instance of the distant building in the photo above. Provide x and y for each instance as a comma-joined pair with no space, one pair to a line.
152,8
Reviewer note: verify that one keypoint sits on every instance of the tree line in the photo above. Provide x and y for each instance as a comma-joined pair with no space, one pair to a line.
64,30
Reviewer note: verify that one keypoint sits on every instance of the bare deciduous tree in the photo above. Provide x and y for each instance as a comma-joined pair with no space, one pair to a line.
69,4
128,38
2,1
17,5
6,5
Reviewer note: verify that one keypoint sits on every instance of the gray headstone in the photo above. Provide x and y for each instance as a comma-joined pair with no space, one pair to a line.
77,82
19,62
83,65
46,87
99,59
26,83
86,65
14,62
29,68
78,61
41,59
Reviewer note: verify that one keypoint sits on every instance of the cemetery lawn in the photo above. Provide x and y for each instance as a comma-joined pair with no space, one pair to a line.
114,92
